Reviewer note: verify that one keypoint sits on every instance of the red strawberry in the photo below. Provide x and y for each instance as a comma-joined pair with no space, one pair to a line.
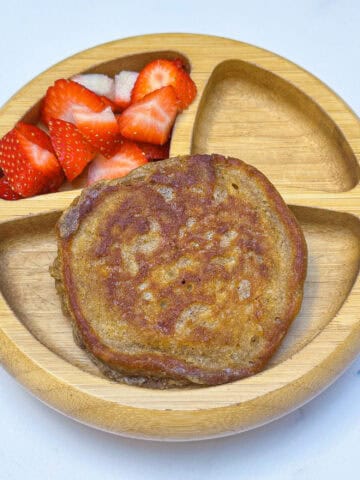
150,120
128,157
35,135
100,129
109,103
6,192
63,96
54,184
155,152
160,73
28,161
71,148
124,84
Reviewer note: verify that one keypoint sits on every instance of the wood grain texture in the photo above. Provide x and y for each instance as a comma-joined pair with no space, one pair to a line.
251,104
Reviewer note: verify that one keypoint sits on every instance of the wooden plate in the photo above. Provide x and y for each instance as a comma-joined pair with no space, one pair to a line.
251,104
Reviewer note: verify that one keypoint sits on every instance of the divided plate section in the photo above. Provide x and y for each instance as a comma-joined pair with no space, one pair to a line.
111,68
251,113
28,248
333,241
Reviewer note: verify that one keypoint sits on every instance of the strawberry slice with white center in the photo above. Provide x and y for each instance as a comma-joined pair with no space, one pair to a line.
150,120
124,84
63,96
28,161
71,148
99,128
161,73
98,83
127,157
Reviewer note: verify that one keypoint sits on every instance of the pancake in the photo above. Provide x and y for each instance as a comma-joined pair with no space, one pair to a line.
186,271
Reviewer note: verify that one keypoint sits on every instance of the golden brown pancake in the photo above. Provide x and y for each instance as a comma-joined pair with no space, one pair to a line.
186,271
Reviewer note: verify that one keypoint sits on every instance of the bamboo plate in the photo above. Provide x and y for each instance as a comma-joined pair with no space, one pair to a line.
251,104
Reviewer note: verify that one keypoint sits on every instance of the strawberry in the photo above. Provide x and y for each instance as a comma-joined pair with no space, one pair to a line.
155,152
71,148
110,103
98,83
36,135
160,73
63,96
28,161
6,192
127,157
124,83
150,120
99,128
53,184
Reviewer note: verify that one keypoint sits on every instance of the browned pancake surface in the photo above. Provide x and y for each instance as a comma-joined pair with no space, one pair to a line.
188,270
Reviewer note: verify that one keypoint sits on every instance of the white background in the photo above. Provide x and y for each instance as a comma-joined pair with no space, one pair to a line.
318,441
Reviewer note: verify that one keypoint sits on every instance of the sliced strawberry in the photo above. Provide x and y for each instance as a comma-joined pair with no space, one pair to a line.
98,83
6,192
28,161
155,152
71,148
124,84
127,157
110,103
35,135
155,75
63,96
100,129
150,120
161,73
53,184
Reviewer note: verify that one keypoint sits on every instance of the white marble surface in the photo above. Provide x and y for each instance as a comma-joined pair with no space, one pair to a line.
320,440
